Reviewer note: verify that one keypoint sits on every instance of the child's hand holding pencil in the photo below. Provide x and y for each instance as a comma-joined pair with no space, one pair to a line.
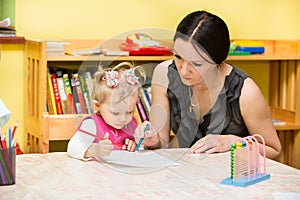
145,135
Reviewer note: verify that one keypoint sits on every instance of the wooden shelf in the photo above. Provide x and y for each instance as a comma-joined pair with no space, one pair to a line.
287,127
260,57
12,40
107,58
274,50
266,57
286,116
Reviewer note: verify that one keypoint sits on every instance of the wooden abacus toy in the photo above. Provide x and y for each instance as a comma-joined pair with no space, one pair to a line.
245,162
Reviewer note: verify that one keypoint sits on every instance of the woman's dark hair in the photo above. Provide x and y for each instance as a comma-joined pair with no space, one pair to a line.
208,31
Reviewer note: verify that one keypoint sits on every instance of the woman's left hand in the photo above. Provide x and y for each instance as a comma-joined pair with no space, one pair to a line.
214,144
129,145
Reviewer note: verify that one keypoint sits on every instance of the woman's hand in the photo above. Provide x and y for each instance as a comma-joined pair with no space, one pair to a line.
214,144
129,145
151,138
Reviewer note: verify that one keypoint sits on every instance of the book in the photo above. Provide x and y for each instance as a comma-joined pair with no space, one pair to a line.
55,48
137,115
108,52
141,110
147,92
84,52
69,94
80,94
7,32
56,94
249,43
145,101
277,122
62,93
50,95
75,94
86,95
89,82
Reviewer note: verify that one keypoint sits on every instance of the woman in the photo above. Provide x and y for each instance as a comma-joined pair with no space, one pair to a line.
206,102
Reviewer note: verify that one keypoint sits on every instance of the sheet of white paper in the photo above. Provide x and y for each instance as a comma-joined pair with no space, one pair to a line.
286,195
145,159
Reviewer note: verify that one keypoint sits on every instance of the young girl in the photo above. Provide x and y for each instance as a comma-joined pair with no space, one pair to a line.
112,125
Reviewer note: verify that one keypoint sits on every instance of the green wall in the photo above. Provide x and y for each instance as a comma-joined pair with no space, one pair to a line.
7,10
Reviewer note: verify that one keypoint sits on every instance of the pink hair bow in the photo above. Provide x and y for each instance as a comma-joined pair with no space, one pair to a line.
112,78
131,77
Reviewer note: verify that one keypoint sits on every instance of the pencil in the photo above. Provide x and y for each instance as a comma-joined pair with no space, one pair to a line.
14,130
10,144
141,139
1,138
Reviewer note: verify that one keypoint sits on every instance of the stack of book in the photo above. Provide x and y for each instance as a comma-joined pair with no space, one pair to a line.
246,47
56,48
6,30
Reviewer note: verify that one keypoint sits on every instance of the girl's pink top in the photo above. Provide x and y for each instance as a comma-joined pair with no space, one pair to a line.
116,136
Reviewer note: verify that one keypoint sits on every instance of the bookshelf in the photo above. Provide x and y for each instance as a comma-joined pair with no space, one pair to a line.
283,57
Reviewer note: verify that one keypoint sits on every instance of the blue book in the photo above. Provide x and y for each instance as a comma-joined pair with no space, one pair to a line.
251,49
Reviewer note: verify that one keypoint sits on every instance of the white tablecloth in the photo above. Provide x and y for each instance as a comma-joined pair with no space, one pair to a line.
57,176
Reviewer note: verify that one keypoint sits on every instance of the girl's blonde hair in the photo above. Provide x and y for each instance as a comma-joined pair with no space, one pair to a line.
124,88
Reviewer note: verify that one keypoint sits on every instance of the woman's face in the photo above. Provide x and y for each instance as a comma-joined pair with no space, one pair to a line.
192,64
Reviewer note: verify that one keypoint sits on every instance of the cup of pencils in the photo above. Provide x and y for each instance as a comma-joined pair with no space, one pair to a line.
7,165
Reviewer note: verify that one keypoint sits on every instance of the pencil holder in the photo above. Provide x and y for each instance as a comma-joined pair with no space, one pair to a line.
7,166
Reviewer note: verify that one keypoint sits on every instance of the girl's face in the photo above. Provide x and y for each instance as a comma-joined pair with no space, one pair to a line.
118,114
191,66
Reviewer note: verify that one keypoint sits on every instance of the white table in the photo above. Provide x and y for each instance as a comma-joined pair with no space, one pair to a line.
57,176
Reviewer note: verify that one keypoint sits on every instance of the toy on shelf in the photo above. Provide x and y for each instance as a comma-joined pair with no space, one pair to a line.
246,47
142,44
245,162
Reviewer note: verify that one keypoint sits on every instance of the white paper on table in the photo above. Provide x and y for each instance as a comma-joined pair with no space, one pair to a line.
148,159
286,195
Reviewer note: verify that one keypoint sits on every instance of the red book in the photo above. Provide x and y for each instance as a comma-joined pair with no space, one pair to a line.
56,94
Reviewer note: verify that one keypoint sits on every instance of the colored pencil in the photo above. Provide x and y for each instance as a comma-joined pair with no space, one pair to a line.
141,139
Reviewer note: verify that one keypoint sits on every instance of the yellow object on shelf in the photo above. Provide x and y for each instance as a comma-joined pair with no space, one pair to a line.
249,43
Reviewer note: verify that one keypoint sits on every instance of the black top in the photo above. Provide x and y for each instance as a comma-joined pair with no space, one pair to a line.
223,118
